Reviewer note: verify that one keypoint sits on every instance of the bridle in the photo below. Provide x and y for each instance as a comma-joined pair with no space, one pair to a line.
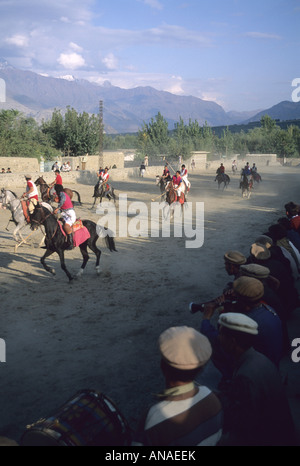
44,218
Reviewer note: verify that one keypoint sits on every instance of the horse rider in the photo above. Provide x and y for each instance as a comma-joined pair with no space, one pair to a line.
184,176
220,172
254,168
99,174
246,171
31,189
178,183
104,178
58,180
166,176
67,212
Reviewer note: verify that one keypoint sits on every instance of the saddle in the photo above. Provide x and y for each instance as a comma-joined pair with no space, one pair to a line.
25,203
79,231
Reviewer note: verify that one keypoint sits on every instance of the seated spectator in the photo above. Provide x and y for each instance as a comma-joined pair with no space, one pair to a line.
260,254
293,214
8,170
270,296
3,170
256,409
233,261
278,233
291,234
248,292
186,414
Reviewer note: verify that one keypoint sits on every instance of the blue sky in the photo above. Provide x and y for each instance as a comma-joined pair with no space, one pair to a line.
240,54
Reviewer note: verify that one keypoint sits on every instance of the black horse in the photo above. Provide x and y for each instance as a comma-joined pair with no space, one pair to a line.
102,190
222,179
55,240
246,186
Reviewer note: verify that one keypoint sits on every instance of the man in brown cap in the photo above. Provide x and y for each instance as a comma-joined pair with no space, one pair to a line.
279,268
256,410
187,414
248,293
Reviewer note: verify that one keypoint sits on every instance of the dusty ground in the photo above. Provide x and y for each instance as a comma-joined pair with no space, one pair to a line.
101,332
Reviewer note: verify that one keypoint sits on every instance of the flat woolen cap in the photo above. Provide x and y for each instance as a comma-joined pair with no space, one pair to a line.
184,348
265,240
260,251
255,271
238,322
28,177
235,257
248,288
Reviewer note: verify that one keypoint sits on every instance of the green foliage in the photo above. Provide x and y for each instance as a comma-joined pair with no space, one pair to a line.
21,137
77,134
153,138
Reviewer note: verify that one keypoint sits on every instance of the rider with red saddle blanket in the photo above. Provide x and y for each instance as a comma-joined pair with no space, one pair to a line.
67,212
178,184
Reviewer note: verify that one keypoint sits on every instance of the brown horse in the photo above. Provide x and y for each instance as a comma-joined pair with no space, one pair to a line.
172,199
45,191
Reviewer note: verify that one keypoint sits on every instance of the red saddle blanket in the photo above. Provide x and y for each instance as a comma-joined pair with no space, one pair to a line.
80,232
25,210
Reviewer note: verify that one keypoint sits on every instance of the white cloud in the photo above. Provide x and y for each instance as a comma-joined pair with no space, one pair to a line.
71,61
262,35
110,61
154,4
18,40
75,47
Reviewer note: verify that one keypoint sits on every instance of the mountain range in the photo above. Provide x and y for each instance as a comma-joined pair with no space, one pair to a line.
124,110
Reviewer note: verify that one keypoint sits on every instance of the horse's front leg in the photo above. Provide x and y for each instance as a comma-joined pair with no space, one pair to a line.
61,254
17,234
43,262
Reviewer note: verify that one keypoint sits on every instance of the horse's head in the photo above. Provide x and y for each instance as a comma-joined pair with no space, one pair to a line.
157,179
36,213
6,197
40,181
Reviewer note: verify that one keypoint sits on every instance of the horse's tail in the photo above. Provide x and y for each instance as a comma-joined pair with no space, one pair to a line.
78,196
108,235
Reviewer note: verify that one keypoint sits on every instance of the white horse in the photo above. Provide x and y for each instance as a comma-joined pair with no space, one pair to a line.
10,200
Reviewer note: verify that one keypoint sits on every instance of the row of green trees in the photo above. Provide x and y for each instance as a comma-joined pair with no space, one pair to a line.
74,134
154,138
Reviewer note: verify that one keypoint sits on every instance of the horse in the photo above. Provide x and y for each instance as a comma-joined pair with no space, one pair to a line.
172,197
9,199
246,186
55,240
45,191
222,178
256,176
162,183
103,190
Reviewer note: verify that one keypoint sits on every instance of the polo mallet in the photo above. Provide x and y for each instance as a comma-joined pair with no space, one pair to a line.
23,240
170,166
158,197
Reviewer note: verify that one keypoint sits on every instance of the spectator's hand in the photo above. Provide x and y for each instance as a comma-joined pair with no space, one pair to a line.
209,309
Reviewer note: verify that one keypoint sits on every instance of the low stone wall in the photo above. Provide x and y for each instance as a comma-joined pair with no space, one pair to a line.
19,164
86,177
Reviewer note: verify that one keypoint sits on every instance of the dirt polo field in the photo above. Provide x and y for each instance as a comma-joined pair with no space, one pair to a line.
100,332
